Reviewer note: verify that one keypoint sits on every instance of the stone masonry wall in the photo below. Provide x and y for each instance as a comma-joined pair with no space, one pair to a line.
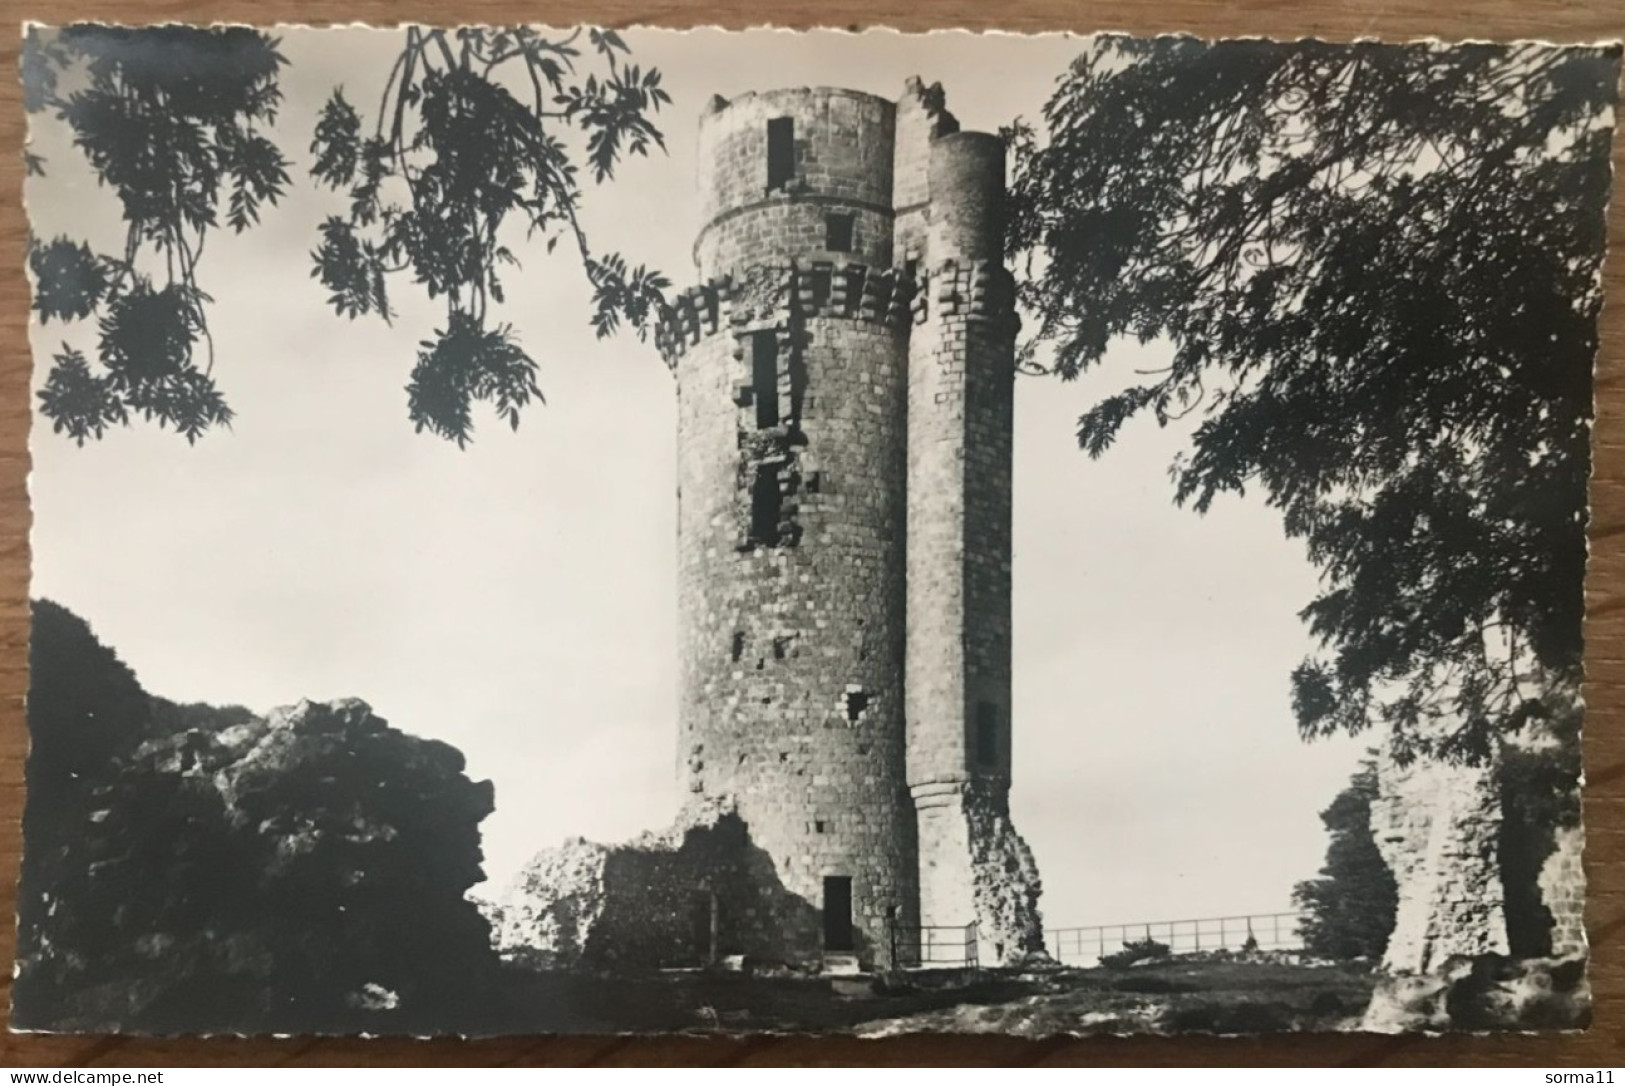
839,420
922,117
961,376
974,866
1005,881
1438,827
843,164
936,585
1489,931
961,395
1562,887
688,896
791,673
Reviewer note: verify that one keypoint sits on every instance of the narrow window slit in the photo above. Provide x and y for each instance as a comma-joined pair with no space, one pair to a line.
781,152
766,503
987,733
819,281
764,378
838,232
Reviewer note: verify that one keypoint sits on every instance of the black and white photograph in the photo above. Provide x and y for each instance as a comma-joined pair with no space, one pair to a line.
560,530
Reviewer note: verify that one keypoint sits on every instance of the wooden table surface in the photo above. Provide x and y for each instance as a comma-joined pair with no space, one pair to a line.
1553,20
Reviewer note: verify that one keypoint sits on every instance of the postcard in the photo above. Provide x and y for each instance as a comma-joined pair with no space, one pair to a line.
572,530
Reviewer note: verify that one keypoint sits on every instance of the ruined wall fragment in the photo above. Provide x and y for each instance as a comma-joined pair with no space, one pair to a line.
686,897
1438,828
1562,888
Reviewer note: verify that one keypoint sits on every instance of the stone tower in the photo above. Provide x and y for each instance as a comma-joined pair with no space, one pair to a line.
960,423
844,378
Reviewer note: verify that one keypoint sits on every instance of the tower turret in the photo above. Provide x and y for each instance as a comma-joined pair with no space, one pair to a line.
973,865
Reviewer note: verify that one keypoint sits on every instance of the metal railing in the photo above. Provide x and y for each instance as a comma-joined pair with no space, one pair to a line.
1263,931
934,946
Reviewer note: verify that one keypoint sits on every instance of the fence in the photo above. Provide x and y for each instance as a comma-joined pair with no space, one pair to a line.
1265,931
934,947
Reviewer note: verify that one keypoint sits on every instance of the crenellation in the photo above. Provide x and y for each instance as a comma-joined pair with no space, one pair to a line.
782,296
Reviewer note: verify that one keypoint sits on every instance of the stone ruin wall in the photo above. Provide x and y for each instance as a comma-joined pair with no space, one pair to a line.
1460,865
973,863
1438,828
922,118
689,896
1562,887
1489,931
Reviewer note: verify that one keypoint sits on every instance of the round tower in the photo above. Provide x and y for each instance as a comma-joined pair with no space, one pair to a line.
974,867
796,175
791,363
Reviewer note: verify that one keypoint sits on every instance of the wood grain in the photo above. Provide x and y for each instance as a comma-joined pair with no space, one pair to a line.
1554,20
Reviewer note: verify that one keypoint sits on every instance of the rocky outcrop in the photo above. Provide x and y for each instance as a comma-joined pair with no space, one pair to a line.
214,871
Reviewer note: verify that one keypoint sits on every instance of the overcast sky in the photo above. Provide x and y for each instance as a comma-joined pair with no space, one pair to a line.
518,599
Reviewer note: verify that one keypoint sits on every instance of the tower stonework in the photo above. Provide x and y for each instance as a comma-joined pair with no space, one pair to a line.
845,375
791,508
960,410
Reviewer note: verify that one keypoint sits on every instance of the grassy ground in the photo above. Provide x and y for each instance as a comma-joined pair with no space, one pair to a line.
1166,997
1188,996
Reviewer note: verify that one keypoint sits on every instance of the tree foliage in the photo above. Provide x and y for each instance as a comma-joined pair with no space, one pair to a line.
188,867
478,144
171,120
1378,270
1349,910
466,148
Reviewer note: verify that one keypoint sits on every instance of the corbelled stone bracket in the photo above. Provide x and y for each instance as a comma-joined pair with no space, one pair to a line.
781,295
981,290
